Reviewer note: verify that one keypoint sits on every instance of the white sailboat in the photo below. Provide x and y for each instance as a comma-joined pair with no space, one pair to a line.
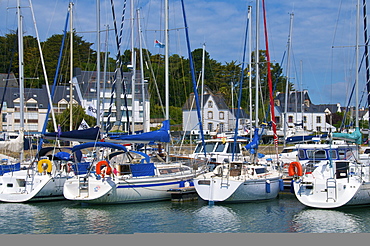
122,176
44,178
332,175
237,180
126,177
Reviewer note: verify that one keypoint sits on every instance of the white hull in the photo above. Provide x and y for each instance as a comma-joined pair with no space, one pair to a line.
16,187
237,191
114,190
244,187
344,193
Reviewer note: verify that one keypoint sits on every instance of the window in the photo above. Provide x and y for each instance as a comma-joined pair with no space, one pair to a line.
318,119
210,115
304,119
222,115
210,126
316,154
210,104
290,119
277,119
318,128
222,127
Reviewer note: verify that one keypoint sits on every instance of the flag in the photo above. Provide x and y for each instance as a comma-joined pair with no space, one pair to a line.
83,125
91,110
158,44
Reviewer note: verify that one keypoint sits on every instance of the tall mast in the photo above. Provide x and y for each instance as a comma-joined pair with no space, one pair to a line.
105,66
287,78
367,61
202,89
145,125
357,56
98,62
272,109
250,72
71,70
166,69
21,73
133,63
257,59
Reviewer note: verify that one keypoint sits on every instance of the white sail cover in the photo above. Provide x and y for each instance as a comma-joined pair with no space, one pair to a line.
14,145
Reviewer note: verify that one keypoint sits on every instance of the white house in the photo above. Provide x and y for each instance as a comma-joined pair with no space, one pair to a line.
216,116
302,112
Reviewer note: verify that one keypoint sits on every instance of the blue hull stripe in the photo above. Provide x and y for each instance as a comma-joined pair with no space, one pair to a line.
146,185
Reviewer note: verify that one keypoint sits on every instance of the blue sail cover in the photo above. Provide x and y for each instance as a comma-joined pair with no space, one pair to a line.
297,139
139,170
255,141
98,144
86,135
355,136
161,135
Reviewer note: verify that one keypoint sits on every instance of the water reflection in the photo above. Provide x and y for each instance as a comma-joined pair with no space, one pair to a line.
327,221
281,215
216,219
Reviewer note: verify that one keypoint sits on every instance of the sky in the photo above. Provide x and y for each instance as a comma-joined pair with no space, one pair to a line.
317,37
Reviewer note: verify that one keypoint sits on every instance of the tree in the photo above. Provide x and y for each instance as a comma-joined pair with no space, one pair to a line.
62,119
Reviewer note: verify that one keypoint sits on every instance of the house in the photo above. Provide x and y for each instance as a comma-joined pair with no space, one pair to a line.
216,116
35,107
300,111
87,91
84,94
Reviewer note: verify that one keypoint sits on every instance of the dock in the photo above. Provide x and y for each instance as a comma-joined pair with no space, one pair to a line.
183,194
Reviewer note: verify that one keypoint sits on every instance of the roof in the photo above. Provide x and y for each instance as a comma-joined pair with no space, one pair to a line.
217,98
299,101
38,94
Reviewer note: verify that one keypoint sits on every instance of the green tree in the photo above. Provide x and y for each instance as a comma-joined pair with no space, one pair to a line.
63,119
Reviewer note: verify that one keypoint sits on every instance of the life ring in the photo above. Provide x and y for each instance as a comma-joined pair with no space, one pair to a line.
41,166
99,168
295,168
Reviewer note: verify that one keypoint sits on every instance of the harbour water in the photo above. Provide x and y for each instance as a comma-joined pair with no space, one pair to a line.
282,215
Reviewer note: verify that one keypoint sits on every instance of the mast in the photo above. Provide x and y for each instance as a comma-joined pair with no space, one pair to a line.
133,64
193,79
202,89
241,84
166,70
105,67
270,83
71,70
250,75
21,74
287,78
98,62
257,59
367,62
357,56
145,125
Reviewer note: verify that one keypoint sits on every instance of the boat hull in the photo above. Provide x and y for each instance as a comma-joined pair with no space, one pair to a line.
17,188
345,193
213,190
134,190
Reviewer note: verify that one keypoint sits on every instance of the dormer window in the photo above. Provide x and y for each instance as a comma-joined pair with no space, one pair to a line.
210,104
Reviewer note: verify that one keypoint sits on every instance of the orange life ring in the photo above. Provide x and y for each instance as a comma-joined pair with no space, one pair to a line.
99,168
295,168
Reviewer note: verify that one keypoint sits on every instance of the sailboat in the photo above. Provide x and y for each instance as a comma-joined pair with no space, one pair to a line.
331,175
44,178
118,175
240,181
